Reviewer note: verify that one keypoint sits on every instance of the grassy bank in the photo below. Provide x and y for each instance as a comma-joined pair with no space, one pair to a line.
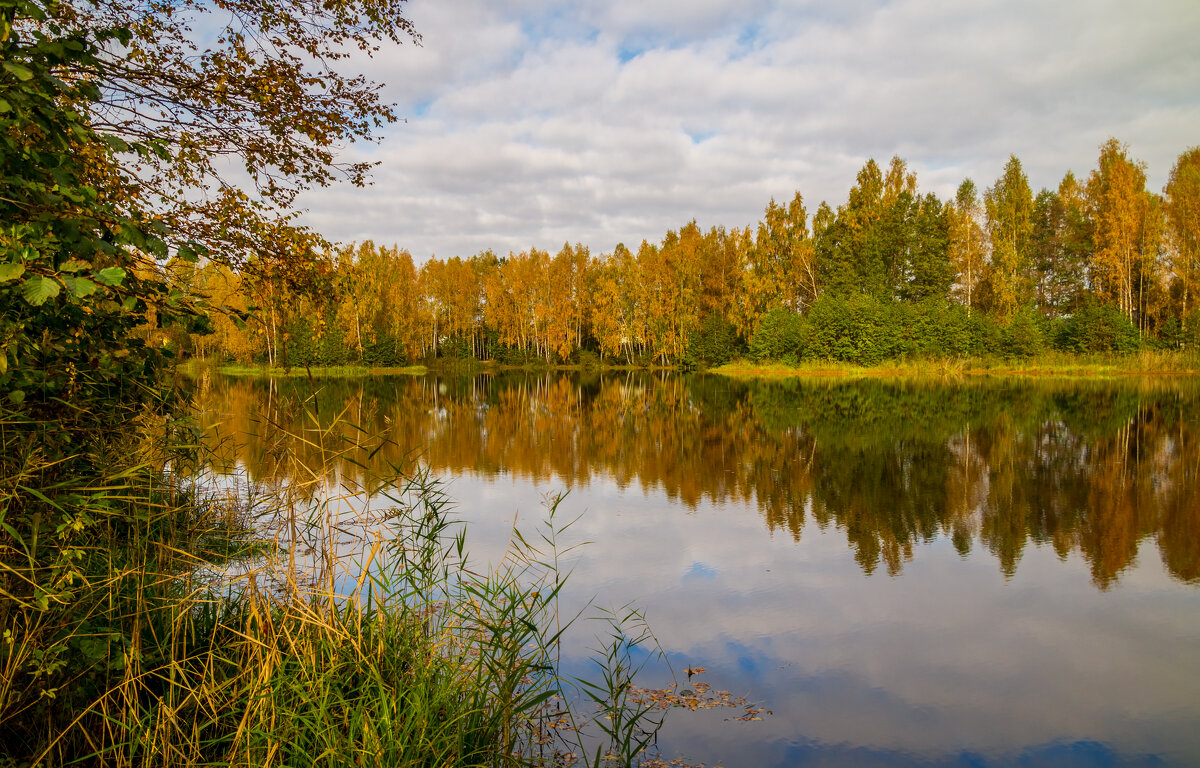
192,367
150,620
446,366
1047,364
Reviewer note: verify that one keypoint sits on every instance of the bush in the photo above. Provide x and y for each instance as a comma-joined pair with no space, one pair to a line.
1170,334
456,349
1097,327
716,343
385,352
1191,330
778,336
860,330
1024,337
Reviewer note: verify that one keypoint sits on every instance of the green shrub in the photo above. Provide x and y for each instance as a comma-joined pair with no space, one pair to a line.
1171,335
1191,330
778,336
1024,337
455,349
715,343
1096,327
861,329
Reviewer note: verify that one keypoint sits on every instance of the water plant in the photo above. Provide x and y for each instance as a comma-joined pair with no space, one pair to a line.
328,620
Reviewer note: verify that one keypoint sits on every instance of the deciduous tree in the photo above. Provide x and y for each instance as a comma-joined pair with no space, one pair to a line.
245,102
1115,193
1183,215
1009,206
968,244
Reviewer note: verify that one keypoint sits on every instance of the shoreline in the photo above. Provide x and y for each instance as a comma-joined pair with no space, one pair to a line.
1140,364
953,369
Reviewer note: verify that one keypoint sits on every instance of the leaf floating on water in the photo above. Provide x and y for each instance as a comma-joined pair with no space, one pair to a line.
700,696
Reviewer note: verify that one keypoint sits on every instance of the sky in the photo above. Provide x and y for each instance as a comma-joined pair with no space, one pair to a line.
531,123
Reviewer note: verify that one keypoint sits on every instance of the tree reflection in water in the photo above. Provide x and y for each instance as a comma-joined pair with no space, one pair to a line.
1087,466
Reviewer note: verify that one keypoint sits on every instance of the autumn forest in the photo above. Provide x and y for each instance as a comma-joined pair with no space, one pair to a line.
1099,264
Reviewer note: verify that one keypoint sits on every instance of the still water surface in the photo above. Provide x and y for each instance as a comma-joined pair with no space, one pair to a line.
986,573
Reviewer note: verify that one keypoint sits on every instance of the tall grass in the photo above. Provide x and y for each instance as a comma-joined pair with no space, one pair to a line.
194,366
150,620
1048,363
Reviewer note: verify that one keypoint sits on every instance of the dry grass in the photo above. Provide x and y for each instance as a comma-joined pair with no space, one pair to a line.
1145,363
183,630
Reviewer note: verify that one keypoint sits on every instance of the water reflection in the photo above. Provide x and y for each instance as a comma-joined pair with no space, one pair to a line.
1095,468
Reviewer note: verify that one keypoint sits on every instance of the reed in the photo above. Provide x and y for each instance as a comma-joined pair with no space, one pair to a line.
317,371
1048,363
156,616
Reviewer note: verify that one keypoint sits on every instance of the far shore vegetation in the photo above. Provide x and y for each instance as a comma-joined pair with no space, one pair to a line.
1144,363
1101,265
318,371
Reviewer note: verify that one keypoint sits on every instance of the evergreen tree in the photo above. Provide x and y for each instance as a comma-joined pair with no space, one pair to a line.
928,271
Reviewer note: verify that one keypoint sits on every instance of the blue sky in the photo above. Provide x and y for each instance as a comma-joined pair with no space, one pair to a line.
535,122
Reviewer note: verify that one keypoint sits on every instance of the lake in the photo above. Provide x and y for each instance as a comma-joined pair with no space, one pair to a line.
973,573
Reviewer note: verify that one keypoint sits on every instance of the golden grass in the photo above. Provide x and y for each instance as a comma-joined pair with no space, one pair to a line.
1053,364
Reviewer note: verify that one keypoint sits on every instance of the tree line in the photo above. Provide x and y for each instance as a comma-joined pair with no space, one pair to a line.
1098,264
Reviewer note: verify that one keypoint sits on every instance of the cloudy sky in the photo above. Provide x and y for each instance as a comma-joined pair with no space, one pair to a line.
535,122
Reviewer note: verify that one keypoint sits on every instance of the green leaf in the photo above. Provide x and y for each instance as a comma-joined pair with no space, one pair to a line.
20,71
17,396
38,289
116,143
157,247
80,286
4,106
32,10
11,272
73,265
110,276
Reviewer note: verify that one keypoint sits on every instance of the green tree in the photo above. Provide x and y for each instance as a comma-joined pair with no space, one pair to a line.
845,265
77,273
928,271
1009,206
1061,245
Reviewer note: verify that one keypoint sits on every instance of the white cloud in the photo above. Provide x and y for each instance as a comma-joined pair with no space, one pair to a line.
533,123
